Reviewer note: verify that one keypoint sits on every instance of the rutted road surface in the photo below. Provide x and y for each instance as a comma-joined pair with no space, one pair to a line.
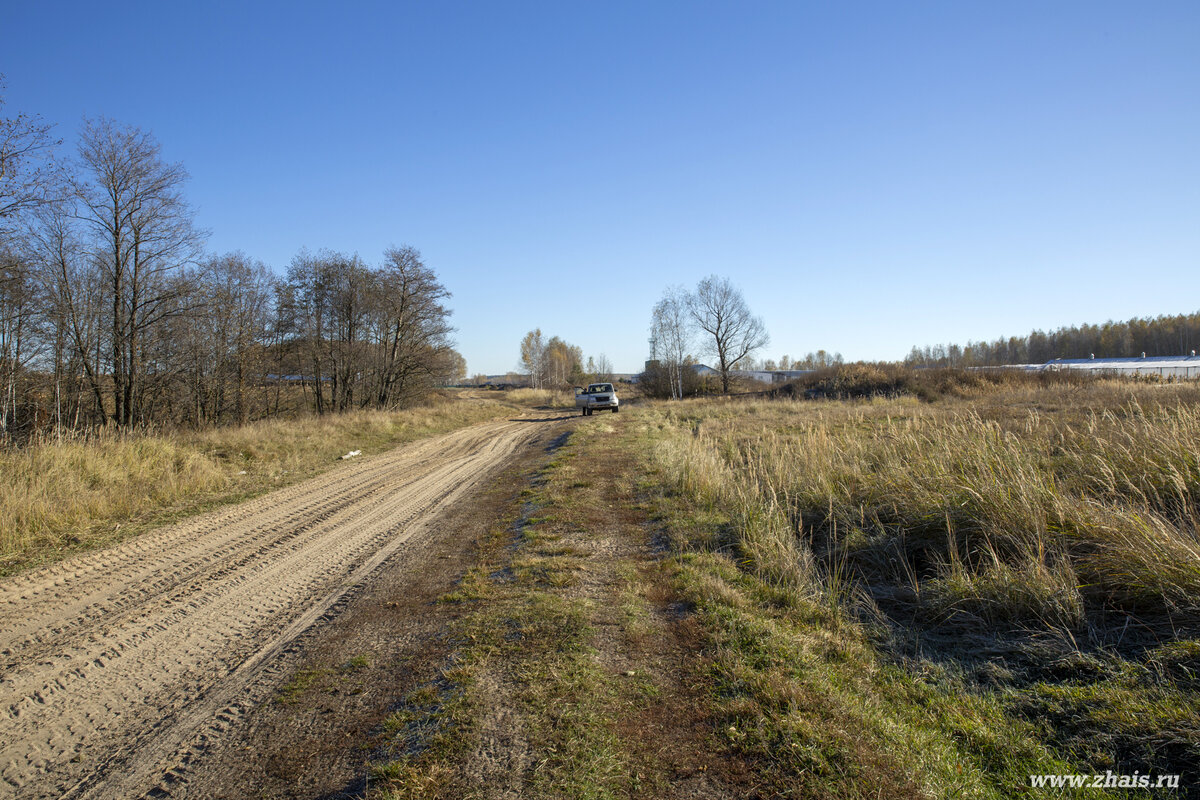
118,666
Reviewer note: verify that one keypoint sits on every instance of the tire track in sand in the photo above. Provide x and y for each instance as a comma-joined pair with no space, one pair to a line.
118,662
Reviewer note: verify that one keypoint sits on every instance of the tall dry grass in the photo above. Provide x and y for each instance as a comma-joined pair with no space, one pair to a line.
1066,505
60,495
550,398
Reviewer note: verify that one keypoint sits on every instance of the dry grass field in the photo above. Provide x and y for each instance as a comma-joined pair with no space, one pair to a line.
1069,508
550,398
1002,579
62,496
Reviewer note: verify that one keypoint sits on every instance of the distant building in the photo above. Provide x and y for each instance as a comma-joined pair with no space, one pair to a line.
1162,366
785,375
760,375
752,375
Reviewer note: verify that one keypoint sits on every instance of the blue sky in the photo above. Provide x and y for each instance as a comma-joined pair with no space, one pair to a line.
872,175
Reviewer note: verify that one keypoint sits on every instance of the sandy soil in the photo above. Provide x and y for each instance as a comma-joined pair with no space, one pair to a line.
122,667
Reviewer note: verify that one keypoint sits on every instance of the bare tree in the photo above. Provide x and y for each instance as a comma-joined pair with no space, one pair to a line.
410,329
224,338
718,309
144,234
18,318
331,291
74,286
671,335
27,178
603,371
349,283
307,309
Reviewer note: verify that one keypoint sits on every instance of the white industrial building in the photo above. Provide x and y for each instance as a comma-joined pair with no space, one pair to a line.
762,376
1180,367
1161,366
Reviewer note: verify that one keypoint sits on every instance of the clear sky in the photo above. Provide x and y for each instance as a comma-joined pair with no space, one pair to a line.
872,175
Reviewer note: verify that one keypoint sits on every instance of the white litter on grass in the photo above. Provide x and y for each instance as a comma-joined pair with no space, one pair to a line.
243,472
352,454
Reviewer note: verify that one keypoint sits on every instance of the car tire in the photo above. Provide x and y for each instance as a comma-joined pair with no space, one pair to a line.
615,409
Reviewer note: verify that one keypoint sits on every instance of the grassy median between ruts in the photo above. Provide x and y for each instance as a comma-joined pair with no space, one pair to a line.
534,700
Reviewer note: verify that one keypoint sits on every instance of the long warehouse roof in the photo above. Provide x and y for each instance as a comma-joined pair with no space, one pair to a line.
1163,362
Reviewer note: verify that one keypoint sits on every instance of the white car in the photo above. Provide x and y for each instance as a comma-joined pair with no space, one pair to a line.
596,395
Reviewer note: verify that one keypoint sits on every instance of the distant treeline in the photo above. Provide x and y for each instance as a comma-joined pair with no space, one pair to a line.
1161,336
111,312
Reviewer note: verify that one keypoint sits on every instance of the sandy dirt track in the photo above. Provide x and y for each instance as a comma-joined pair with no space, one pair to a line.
118,665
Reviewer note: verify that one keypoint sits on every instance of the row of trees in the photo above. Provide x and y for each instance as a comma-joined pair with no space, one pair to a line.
555,364
815,360
1160,336
369,337
716,314
111,312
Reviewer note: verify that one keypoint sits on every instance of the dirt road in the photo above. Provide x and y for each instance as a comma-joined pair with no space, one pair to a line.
119,665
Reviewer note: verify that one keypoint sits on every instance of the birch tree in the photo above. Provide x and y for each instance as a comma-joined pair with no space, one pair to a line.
533,357
563,363
671,334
